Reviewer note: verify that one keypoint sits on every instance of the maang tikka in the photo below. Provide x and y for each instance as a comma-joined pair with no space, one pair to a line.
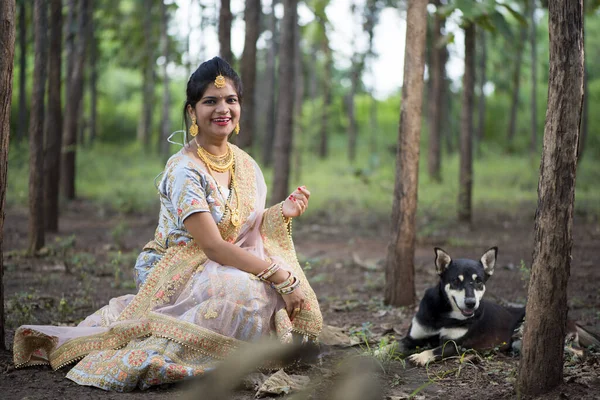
220,81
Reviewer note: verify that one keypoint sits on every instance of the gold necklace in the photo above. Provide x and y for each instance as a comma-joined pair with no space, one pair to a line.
235,212
216,163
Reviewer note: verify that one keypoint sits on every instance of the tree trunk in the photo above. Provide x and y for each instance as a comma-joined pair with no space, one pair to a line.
585,115
225,20
399,272
36,128
22,125
54,120
482,80
70,43
355,75
165,125
466,129
323,143
73,106
299,139
534,128
252,19
93,43
541,367
437,73
373,124
285,110
516,81
7,55
145,124
271,89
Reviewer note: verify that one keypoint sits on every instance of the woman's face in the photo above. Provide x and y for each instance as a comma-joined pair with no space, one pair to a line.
218,111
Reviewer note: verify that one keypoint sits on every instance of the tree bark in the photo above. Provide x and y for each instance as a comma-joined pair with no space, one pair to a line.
438,68
533,41
516,81
399,272
225,20
145,123
54,120
271,89
252,19
7,55
541,367
466,129
285,110
73,106
36,128
165,125
70,42
482,80
22,125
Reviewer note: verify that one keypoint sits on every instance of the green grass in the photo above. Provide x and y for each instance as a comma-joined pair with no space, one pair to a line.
123,178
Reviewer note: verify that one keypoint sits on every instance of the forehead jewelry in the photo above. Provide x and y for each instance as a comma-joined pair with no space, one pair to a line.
220,81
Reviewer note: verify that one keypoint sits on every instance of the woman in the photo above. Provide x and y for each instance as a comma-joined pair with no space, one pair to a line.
221,269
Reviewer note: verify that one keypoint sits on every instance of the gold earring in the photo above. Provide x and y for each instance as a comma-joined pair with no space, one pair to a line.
193,127
237,129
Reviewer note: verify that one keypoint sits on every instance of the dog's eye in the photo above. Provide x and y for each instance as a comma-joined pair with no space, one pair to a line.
456,282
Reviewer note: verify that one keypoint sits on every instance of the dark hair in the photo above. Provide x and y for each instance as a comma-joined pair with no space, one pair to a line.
204,76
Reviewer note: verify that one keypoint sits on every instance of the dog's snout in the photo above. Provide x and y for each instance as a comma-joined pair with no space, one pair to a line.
470,302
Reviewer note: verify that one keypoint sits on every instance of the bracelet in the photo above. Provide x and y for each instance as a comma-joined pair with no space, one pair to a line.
268,272
289,289
287,282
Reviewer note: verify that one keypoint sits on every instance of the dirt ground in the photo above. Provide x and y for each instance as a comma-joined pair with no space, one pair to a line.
91,260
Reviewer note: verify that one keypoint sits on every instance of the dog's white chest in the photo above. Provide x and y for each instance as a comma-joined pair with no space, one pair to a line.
452,333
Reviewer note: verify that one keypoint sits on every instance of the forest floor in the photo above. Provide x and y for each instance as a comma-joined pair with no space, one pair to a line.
92,258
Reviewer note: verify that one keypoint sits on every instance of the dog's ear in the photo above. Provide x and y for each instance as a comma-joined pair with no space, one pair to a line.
488,259
442,260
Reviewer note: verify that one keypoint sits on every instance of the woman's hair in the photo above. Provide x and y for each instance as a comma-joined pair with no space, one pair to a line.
205,75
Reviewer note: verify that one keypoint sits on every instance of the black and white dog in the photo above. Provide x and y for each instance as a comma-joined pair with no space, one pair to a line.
454,315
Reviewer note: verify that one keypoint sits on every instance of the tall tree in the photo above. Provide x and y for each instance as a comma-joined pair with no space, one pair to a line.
165,125
36,128
54,121
7,55
285,111
533,42
225,20
466,128
358,62
482,41
541,367
399,272
92,42
149,62
516,84
22,124
436,103
73,106
270,86
248,69
299,140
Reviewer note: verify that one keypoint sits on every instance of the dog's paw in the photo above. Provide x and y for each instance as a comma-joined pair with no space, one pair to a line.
421,359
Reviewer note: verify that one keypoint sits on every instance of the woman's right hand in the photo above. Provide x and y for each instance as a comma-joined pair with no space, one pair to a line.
294,303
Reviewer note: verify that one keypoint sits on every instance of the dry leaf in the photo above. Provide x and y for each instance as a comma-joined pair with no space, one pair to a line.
282,383
334,336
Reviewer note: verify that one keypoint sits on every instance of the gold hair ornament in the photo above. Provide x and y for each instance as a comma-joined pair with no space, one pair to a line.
193,127
220,81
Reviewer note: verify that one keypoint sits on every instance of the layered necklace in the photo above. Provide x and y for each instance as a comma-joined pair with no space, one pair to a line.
223,163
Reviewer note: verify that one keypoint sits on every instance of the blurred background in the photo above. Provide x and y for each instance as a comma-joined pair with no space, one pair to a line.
125,65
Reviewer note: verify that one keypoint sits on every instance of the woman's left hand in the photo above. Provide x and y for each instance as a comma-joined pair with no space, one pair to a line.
296,203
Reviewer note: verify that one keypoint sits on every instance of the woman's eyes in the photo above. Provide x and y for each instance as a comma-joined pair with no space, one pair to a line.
231,100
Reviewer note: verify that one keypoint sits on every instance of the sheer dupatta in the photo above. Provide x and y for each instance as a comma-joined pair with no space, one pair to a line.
191,300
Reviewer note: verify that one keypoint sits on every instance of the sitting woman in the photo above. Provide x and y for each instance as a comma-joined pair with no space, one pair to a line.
221,269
